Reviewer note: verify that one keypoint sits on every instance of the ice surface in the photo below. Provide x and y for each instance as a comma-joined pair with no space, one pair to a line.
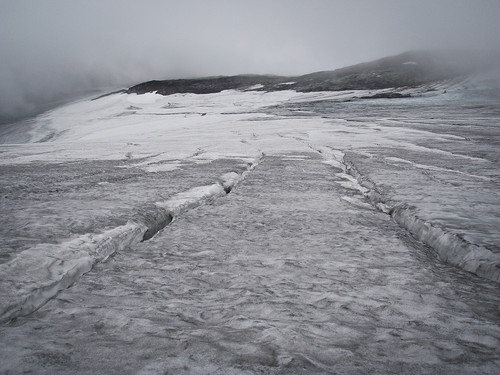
280,276
243,282
38,273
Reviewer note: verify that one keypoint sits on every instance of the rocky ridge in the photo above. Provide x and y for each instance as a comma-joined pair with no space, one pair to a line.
405,70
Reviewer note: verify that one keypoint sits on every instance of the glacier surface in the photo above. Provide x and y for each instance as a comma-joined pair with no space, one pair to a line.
239,232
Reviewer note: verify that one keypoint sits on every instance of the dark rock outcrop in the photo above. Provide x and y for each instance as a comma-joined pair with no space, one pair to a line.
405,70
206,85
386,95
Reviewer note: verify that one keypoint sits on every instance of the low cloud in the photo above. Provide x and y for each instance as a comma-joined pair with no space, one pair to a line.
54,49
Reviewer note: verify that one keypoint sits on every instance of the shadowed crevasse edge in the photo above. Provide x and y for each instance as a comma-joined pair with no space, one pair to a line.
450,247
21,293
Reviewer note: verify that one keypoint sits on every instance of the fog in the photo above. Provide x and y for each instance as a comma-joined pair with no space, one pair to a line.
53,50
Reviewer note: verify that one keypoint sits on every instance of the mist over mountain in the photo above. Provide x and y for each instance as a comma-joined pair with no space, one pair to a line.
404,70
55,50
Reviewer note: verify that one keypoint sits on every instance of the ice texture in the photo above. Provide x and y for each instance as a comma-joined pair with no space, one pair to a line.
244,232
37,274
280,276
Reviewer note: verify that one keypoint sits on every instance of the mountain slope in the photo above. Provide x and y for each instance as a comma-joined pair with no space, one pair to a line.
407,69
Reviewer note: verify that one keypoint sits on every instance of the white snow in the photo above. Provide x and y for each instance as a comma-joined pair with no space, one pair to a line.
191,197
437,169
256,87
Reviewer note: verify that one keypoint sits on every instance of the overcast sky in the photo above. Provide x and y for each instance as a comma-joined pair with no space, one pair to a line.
54,48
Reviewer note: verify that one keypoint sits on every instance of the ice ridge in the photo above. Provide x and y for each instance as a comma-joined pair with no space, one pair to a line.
37,274
450,247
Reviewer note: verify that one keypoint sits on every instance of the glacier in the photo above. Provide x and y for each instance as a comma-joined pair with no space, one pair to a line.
253,231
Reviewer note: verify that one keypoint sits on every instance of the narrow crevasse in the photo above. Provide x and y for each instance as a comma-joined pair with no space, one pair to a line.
450,247
37,274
